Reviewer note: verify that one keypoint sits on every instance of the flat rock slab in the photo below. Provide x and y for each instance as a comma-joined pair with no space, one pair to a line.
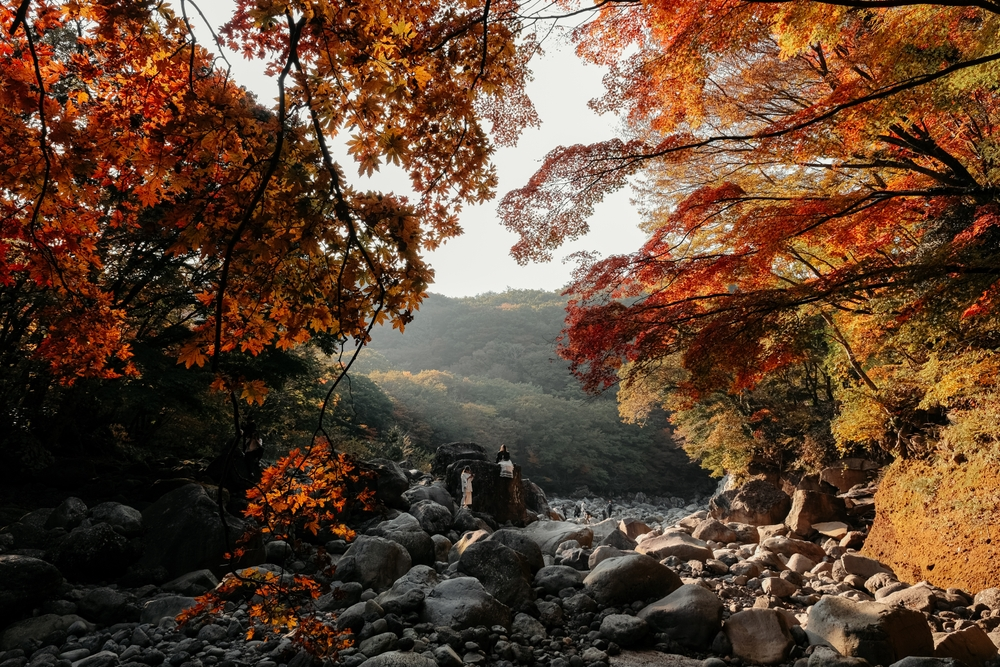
651,659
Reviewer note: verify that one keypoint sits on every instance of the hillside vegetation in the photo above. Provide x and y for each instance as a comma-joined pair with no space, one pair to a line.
485,369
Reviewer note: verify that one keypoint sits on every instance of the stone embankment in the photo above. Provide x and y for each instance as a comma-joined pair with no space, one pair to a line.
757,577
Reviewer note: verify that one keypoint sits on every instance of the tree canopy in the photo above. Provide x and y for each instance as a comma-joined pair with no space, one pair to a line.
146,199
819,183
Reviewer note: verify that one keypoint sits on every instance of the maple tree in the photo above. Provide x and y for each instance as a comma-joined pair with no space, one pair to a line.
805,168
145,196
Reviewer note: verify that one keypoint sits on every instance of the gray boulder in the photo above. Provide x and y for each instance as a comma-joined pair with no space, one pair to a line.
626,631
409,591
522,544
502,571
534,497
47,629
435,492
126,520
417,543
67,515
554,578
107,606
25,583
374,562
618,540
94,554
691,616
463,603
442,547
432,516
158,609
624,580
183,533
192,584
548,535
876,632
445,455
390,482
400,659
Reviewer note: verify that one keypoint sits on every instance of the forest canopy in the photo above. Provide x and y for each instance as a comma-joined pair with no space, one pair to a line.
819,182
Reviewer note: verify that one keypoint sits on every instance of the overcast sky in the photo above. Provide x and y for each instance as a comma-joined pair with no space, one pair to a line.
479,260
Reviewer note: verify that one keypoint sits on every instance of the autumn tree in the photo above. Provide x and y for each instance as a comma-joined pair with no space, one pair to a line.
147,199
805,168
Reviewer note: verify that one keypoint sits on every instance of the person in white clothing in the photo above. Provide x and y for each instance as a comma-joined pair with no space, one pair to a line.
467,478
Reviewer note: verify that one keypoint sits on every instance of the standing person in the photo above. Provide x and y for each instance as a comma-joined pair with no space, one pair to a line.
506,466
467,478
611,508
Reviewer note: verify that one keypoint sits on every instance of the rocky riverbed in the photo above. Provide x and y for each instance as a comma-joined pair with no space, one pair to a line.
754,577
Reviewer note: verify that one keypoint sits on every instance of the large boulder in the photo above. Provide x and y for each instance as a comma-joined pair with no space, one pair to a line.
761,636
94,554
787,546
24,584
554,578
500,497
374,562
445,455
809,507
550,534
390,482
183,533
691,616
971,645
534,497
876,632
67,515
107,606
409,591
47,629
675,543
623,580
433,517
715,531
463,603
417,543
501,570
436,492
618,540
756,503
526,547
126,520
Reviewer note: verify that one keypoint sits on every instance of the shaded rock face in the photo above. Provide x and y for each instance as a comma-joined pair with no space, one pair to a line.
534,498
25,583
184,533
529,551
500,497
548,535
809,507
759,636
124,519
691,616
95,554
624,580
456,451
374,562
756,503
501,571
390,482
47,628
876,632
463,603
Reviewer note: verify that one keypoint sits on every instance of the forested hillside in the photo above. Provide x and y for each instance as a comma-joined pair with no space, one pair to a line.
485,369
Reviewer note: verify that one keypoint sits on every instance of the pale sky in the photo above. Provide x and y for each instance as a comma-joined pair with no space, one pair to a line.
479,260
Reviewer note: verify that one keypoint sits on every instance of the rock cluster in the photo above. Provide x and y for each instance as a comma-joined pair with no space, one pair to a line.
430,584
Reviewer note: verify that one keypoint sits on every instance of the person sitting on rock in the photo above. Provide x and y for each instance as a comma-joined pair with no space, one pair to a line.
467,478
506,466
